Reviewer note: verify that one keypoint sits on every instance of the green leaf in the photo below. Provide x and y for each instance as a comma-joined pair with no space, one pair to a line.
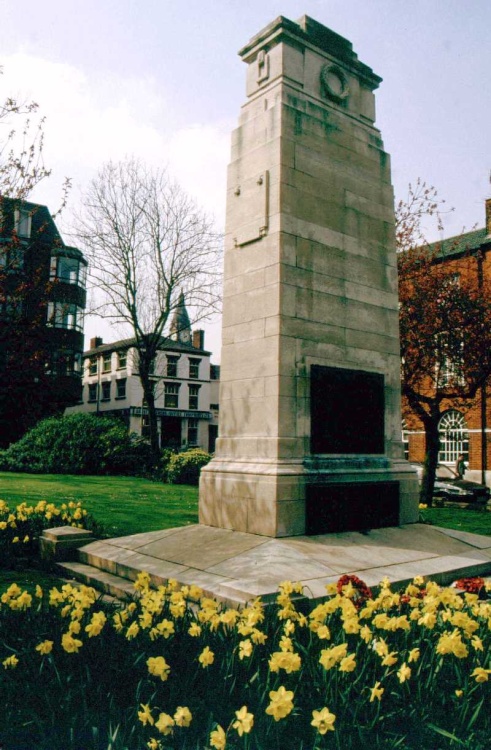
444,733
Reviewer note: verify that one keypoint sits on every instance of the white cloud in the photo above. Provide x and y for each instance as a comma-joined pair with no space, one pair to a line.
89,121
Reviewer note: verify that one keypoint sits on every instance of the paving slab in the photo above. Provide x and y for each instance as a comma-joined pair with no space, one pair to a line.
237,566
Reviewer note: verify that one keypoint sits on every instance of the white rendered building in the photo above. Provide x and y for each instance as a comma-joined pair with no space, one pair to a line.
186,389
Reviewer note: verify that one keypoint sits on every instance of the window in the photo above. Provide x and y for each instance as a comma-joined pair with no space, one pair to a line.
92,392
192,432
145,426
454,438
106,390
11,307
405,439
12,257
22,222
450,373
449,347
171,395
171,370
64,362
121,388
215,407
106,362
122,359
69,270
65,315
193,396
93,365
194,368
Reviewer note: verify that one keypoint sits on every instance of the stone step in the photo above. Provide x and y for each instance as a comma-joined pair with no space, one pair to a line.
127,564
121,563
108,583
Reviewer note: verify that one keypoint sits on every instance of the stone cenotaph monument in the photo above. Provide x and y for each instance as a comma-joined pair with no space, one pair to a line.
310,423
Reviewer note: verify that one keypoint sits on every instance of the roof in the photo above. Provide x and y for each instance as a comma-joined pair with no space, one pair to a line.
461,243
165,344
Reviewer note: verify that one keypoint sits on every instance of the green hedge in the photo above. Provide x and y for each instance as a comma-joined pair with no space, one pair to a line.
184,468
78,444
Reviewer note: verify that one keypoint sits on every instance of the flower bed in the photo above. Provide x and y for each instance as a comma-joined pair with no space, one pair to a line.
173,669
21,527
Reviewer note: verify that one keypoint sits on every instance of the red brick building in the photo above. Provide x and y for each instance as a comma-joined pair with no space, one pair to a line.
464,428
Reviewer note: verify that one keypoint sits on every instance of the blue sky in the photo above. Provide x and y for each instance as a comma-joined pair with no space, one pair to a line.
161,79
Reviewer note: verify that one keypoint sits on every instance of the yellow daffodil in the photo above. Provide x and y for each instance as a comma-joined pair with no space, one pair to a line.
323,720
245,649
145,715
331,656
281,703
132,631
183,716
166,628
404,673
480,674
290,662
245,721
376,692
218,738
70,644
348,664
323,632
206,657
366,634
194,630
158,667
10,662
451,643
45,647
258,637
96,624
477,643
413,655
390,659
286,643
164,724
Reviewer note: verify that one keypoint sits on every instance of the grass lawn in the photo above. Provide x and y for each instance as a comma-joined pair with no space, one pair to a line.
124,505
476,521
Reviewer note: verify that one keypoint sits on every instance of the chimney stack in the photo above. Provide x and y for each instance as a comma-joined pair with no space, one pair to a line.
488,216
199,339
95,342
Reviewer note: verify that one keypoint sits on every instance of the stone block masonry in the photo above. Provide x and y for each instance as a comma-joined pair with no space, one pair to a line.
310,285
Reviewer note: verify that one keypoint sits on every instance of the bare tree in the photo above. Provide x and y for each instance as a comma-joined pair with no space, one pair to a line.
147,242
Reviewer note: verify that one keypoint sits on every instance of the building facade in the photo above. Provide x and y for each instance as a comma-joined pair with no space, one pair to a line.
465,428
42,302
186,389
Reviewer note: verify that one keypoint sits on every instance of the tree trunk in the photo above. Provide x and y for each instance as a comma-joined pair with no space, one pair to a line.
148,392
431,458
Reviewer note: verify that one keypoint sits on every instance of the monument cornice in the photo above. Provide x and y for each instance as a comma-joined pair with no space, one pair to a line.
309,33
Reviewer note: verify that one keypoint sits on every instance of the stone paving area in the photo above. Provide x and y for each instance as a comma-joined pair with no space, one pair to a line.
236,566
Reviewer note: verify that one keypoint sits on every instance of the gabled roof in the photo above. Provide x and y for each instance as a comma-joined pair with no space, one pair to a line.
461,243
166,344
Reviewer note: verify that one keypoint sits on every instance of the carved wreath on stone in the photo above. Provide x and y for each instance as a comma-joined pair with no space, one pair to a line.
334,83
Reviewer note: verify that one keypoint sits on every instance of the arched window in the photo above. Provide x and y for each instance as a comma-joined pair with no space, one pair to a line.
454,438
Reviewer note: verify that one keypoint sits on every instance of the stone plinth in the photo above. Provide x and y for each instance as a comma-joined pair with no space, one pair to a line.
310,287
60,544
